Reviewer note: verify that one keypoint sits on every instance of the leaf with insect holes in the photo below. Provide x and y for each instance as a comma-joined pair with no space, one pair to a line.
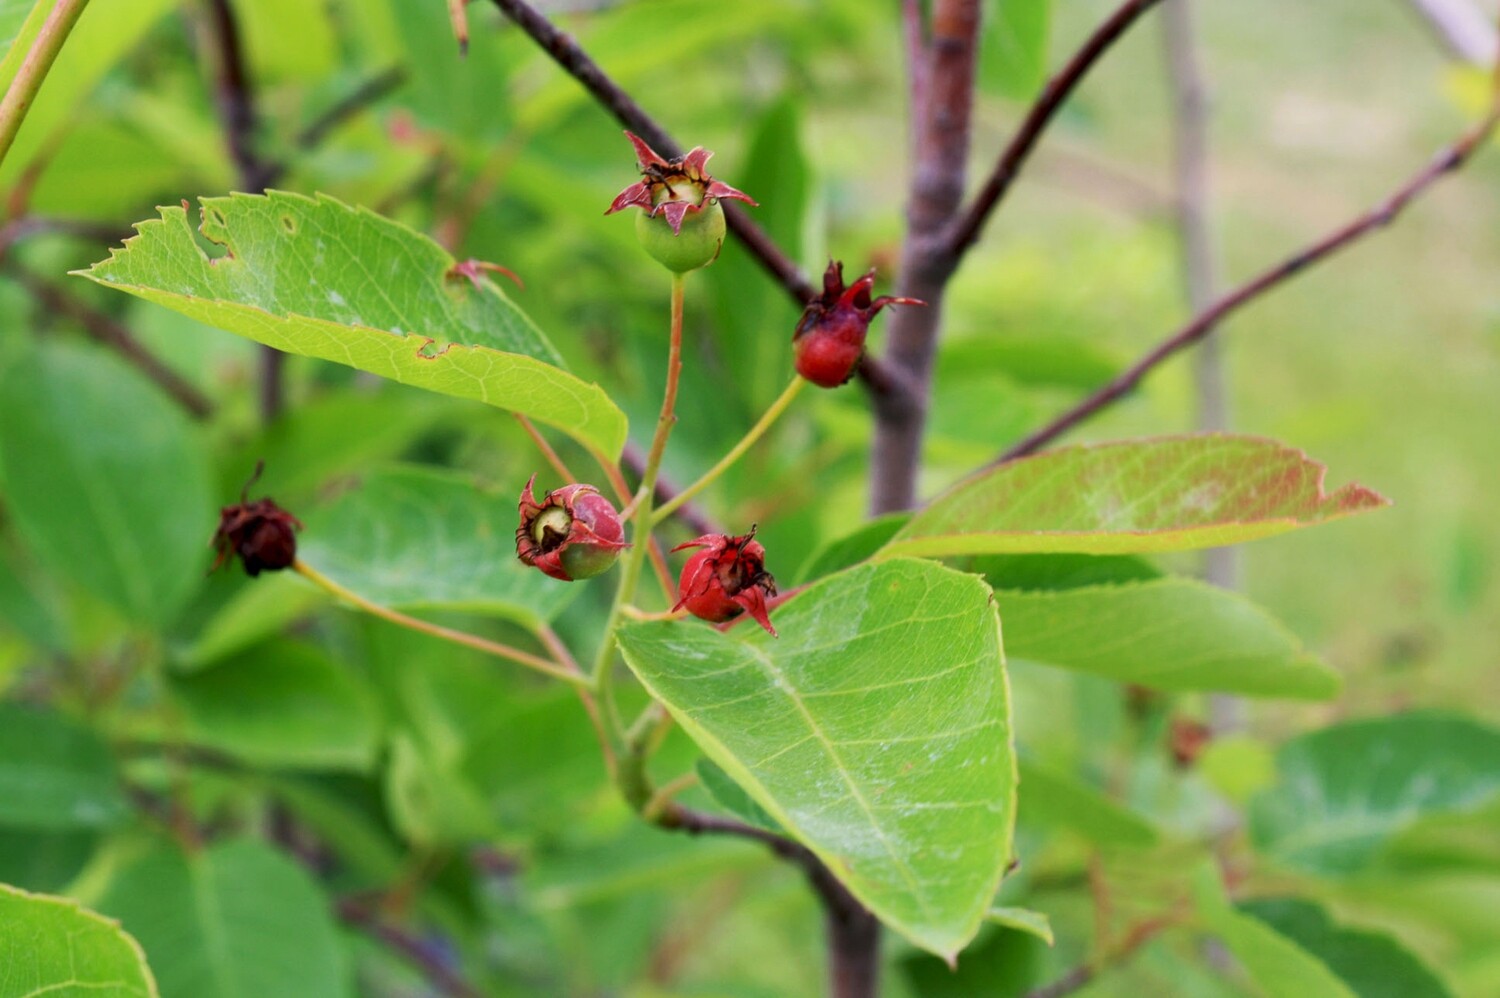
876,730
53,946
315,277
1162,494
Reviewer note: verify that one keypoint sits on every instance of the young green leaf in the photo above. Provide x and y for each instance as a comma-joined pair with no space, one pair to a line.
237,919
876,730
1164,494
1054,798
1166,634
1344,792
1372,964
1023,920
53,946
1278,966
315,277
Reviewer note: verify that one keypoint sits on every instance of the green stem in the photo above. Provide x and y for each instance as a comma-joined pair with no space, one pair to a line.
28,79
553,669
640,509
736,452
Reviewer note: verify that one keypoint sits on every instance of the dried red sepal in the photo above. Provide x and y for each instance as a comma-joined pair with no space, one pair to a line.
260,533
673,188
830,336
573,533
725,579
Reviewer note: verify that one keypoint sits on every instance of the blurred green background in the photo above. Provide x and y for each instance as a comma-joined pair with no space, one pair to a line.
1384,364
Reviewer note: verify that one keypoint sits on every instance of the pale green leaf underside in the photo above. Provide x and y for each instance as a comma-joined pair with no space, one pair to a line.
315,277
1344,792
418,538
1167,634
1023,920
52,946
876,730
1164,494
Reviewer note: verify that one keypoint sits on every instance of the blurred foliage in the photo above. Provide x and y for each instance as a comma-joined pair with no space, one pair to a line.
217,758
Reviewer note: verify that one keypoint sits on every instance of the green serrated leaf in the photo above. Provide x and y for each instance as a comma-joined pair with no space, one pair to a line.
1372,964
237,920
1344,792
53,946
420,538
876,730
1023,920
106,478
1163,494
315,277
55,774
1167,634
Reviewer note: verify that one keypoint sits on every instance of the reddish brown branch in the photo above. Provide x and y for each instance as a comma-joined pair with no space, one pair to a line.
1448,160
109,331
1082,975
853,932
236,101
367,918
367,93
577,64
689,512
966,229
940,129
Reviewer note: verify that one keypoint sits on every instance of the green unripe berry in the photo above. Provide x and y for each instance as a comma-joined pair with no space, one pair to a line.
696,246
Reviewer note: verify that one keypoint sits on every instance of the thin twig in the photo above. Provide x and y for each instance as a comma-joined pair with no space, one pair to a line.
1136,937
772,413
21,93
621,490
558,465
1461,26
236,101
1221,565
854,933
689,513
367,93
1447,161
966,229
546,666
426,959
114,334
577,63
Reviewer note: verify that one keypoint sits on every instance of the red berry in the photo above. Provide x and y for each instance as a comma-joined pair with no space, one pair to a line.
725,579
830,336
573,533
